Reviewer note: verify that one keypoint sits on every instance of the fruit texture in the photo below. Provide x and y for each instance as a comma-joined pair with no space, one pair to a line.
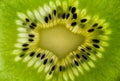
106,69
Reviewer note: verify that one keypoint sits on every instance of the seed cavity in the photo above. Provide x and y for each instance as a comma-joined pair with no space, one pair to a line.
100,27
45,61
70,8
31,40
38,55
50,72
32,54
77,55
94,25
84,57
22,55
90,30
54,11
96,46
75,16
89,48
27,20
73,23
43,56
83,50
32,27
50,17
83,20
25,49
73,10
33,24
63,16
53,68
88,53
67,16
51,60
61,68
96,40
46,19
24,45
76,63
31,35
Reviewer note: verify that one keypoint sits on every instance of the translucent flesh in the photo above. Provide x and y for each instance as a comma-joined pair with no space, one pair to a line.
107,68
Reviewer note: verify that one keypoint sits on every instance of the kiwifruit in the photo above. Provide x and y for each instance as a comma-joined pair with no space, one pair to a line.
23,40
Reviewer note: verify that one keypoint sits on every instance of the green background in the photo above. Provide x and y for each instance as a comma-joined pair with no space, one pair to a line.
107,68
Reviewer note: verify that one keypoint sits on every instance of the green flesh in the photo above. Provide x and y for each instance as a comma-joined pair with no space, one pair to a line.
107,68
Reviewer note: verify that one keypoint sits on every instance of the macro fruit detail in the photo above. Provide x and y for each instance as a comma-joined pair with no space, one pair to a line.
93,30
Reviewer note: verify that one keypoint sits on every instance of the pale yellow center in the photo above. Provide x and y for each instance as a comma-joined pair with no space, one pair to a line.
60,40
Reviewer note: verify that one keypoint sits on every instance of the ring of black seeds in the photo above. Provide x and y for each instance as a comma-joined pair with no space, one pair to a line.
73,18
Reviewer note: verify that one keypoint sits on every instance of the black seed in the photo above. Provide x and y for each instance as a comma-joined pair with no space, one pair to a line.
89,48
23,23
32,54
83,50
96,46
31,35
51,60
77,56
32,27
70,7
88,53
61,68
22,55
84,57
76,63
46,19
53,68
96,40
94,25
43,56
82,61
50,72
59,15
27,20
100,27
31,40
63,16
83,20
25,49
38,55
49,16
73,10
33,24
90,30
24,45
74,15
54,11
67,16
73,23
45,61
72,64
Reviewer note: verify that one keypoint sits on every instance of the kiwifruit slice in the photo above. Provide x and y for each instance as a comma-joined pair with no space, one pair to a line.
46,61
